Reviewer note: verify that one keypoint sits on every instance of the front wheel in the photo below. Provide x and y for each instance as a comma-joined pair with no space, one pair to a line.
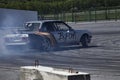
85,41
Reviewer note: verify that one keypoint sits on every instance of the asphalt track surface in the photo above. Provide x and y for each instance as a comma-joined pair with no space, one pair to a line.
101,59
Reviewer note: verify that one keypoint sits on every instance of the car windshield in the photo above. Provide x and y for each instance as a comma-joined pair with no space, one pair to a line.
32,26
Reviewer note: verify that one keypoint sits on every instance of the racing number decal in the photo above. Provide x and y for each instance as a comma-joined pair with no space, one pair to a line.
61,36
66,36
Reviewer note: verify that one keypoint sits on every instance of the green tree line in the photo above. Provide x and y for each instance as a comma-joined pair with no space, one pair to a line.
57,6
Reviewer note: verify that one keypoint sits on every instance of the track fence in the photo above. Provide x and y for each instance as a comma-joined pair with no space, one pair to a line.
92,14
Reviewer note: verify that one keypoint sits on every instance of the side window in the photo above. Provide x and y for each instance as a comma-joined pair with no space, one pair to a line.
61,26
36,26
32,26
43,28
48,27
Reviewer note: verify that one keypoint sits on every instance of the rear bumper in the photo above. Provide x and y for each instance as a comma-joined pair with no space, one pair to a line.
16,44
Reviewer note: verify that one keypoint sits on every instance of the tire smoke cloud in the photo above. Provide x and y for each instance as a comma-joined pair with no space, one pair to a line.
11,20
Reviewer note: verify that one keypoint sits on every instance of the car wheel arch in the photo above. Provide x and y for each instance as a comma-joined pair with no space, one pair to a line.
85,34
84,40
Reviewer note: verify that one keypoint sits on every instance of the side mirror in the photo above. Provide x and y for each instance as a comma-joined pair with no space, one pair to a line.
70,29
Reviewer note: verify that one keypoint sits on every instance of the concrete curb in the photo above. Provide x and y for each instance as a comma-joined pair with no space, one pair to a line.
49,73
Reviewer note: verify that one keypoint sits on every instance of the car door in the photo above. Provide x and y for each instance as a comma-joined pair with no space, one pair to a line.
63,33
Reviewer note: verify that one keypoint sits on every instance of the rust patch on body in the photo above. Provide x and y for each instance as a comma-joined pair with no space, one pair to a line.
48,35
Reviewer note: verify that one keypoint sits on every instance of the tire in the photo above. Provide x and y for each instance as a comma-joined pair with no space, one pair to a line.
46,44
40,43
84,41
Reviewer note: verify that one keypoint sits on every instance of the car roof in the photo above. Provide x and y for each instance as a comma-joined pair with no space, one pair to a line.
42,21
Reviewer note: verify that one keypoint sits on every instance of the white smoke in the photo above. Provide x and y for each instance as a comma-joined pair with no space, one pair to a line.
11,20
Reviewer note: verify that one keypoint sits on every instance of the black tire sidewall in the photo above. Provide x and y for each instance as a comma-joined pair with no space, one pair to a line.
84,41
45,44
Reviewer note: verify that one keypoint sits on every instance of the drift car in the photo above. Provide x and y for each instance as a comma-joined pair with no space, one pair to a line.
47,34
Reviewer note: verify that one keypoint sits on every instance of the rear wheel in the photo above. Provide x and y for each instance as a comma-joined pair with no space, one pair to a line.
39,42
84,41
46,44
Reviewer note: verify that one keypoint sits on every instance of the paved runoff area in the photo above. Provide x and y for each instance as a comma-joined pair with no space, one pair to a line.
101,59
